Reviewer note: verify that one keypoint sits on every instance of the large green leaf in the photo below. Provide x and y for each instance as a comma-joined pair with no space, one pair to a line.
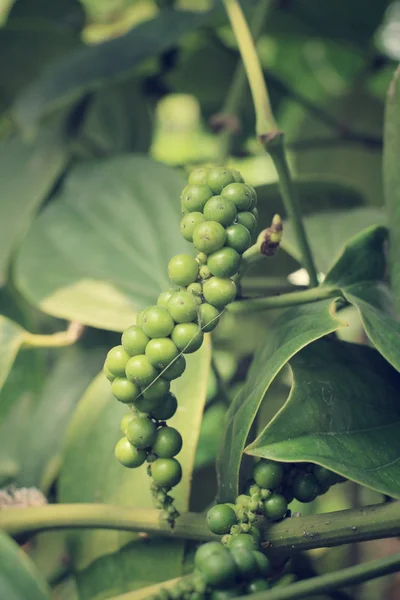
391,180
63,13
376,307
99,252
90,68
294,329
362,259
11,338
342,413
19,578
329,231
28,171
111,562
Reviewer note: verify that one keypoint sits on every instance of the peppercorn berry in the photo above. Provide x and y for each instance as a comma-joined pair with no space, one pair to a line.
126,419
238,238
275,507
187,337
124,390
245,561
199,176
141,432
128,455
166,472
183,269
140,370
224,262
161,352
116,361
194,197
220,518
182,307
248,220
220,209
208,317
175,369
209,236
157,322
240,194
155,391
189,223
219,291
218,178
268,474
167,443
164,297
305,487
166,409
243,540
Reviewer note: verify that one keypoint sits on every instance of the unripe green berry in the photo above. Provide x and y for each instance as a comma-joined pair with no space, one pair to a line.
204,272
195,289
167,443
155,391
126,419
165,296
257,585
248,220
140,370
243,540
183,269
147,405
194,197
263,563
218,178
175,369
224,262
166,472
108,373
220,518
240,194
161,352
209,236
124,390
275,507
237,176
199,176
166,409
268,474
220,209
219,292
325,476
238,238
157,322
201,258
305,487
182,307
188,224
245,561
205,551
187,337
219,568
141,432
116,361
134,340
129,455
208,317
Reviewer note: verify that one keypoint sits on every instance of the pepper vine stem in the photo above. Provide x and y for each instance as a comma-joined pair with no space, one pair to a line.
268,132
290,535
54,340
284,300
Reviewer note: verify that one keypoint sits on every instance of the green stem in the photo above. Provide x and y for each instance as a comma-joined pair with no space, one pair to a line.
292,208
265,122
293,535
268,132
332,581
236,91
249,258
54,340
284,300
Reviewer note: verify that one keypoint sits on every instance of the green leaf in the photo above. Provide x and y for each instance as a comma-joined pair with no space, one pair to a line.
99,252
378,316
112,562
11,338
329,231
28,171
63,13
92,67
362,259
19,578
292,331
342,413
391,180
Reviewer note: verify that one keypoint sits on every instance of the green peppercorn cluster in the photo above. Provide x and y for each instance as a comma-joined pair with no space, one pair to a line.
220,218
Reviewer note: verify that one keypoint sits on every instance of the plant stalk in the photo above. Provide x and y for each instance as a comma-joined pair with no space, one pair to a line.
54,340
283,300
290,535
268,131
332,581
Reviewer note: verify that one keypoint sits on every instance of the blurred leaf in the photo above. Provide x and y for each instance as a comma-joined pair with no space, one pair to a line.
342,413
11,338
391,175
63,13
118,120
359,164
328,232
99,252
378,316
292,331
19,578
362,259
350,23
112,562
211,426
28,171
89,68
